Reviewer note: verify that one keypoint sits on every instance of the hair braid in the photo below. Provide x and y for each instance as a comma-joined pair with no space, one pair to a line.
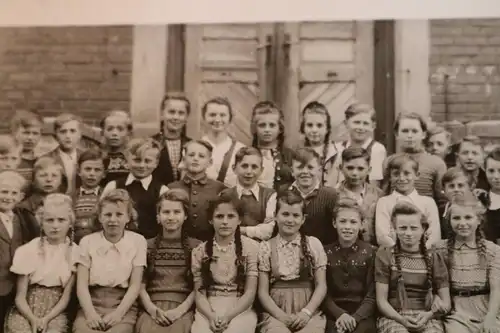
429,267
206,272
401,289
483,254
187,254
307,260
240,265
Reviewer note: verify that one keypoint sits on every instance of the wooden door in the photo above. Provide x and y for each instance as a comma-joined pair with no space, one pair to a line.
330,62
232,61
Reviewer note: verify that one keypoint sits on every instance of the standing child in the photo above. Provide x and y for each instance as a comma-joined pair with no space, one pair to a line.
45,268
319,200
409,278
175,110
292,283
26,127
10,153
360,120
48,177
217,114
116,129
317,129
258,202
439,143
15,230
225,274
411,131
474,266
201,189
491,222
91,172
268,131
143,188
110,268
167,291
350,302
470,158
403,172
68,135
355,167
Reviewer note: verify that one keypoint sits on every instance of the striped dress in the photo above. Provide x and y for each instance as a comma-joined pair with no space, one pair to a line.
414,274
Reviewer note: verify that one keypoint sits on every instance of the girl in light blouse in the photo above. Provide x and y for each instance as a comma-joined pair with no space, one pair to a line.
110,269
225,274
45,268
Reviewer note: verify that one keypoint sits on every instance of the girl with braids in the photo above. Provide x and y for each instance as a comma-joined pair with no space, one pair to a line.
175,109
350,301
217,115
46,271
268,130
411,132
317,130
410,280
474,269
225,274
292,282
167,294
360,121
110,268
258,202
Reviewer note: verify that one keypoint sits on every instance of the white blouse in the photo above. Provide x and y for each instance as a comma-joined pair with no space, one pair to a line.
111,264
46,264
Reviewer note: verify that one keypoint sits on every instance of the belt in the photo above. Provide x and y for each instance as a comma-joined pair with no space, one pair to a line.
469,293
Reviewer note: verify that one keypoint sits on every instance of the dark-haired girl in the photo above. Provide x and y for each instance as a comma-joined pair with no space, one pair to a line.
116,128
317,130
268,131
411,131
410,280
350,301
225,274
217,115
292,282
474,268
175,110
492,199
167,291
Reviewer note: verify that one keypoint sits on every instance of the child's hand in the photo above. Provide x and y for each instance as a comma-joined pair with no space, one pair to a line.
346,323
95,322
422,319
301,320
111,319
410,324
438,306
172,315
162,318
490,325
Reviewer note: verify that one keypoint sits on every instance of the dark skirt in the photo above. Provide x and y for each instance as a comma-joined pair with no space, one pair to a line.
105,300
41,301
366,325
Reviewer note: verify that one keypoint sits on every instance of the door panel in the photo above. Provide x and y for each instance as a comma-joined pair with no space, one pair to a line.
232,61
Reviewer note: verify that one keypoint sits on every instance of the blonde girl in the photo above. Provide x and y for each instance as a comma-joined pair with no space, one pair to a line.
409,278
317,130
268,130
46,271
225,274
110,269
167,294
292,282
474,266
217,115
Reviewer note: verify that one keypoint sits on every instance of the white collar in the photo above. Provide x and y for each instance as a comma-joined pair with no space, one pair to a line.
72,156
255,190
364,145
144,181
413,196
494,201
226,141
294,185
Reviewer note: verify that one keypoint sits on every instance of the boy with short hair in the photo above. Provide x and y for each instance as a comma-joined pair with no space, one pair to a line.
16,229
355,168
142,158
470,158
10,153
439,143
26,128
201,189
116,127
91,172
67,131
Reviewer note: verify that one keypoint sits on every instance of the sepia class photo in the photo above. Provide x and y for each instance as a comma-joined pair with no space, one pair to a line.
305,176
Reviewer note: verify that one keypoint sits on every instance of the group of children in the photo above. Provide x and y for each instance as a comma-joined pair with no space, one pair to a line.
171,234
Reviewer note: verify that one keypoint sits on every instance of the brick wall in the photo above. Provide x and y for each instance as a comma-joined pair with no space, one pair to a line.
85,70
468,51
